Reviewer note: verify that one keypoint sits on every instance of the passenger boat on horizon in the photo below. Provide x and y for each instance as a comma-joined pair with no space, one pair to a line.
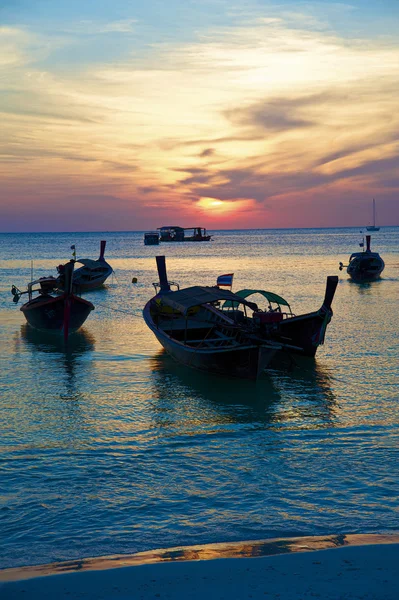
191,328
50,311
364,266
174,233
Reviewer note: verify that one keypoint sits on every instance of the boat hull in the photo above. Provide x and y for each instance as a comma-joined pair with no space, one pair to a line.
246,362
304,333
47,312
206,238
366,269
87,286
85,282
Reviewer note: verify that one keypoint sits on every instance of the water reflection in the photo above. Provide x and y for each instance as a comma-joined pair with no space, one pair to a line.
235,399
365,286
300,389
64,358
309,386
79,342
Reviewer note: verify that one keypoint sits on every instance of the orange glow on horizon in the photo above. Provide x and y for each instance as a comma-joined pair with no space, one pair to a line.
216,207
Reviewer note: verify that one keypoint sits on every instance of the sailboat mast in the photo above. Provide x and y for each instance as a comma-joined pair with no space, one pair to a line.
373,212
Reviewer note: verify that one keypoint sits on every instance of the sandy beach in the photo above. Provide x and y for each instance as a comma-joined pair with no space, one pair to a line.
355,572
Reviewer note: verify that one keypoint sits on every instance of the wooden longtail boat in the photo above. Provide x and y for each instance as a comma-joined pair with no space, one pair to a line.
48,311
91,275
364,266
191,328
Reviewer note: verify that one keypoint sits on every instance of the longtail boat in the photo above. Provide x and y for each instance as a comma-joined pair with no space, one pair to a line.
48,310
364,266
91,275
189,325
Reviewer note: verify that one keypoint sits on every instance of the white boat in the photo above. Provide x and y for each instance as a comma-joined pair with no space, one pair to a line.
373,227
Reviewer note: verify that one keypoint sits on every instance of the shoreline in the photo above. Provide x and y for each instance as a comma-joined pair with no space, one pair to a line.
361,567
213,551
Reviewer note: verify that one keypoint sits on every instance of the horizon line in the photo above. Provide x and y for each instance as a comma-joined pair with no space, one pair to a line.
219,229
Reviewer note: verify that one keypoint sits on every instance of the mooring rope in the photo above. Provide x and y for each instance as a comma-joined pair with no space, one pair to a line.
126,312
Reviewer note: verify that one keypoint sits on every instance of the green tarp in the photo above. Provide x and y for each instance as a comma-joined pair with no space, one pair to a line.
268,295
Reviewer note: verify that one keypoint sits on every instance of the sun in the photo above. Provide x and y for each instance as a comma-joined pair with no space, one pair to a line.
215,206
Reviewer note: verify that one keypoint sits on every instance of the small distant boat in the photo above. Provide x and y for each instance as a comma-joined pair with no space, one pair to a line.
304,333
151,238
91,275
191,328
48,311
373,227
174,233
364,266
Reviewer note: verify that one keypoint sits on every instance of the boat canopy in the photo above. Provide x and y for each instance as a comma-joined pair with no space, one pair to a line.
170,227
177,228
183,300
270,296
89,262
365,254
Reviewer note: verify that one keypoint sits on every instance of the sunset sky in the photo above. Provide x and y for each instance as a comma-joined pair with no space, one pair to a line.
130,115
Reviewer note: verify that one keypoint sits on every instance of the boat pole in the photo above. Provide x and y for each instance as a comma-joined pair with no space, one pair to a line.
163,277
67,297
331,286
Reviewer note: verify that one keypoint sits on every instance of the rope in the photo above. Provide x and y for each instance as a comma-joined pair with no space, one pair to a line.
126,312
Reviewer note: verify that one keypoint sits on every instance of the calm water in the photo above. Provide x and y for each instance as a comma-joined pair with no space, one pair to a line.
110,447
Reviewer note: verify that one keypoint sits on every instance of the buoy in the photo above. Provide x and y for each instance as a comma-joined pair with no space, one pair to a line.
134,280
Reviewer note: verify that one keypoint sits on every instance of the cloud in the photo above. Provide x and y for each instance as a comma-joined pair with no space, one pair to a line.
272,115
263,111
19,47
86,27
207,152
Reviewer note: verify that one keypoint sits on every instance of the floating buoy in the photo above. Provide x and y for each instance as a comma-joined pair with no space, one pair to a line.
134,280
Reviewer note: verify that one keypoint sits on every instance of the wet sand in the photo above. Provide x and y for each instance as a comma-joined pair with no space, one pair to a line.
366,572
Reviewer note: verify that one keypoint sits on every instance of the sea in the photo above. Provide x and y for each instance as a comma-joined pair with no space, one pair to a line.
107,446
